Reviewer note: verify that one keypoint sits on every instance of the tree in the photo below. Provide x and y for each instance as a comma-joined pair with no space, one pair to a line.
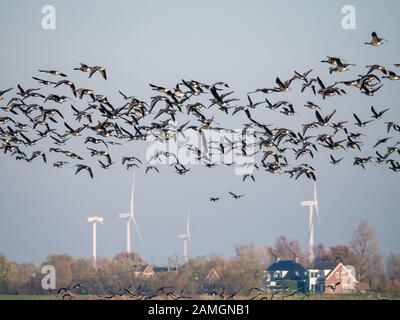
343,254
393,266
286,249
368,259
62,264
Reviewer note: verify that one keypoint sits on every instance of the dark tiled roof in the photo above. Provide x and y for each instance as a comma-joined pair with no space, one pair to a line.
323,265
164,269
295,270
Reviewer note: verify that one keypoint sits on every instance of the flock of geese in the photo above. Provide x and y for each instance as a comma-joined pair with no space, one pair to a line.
29,117
169,293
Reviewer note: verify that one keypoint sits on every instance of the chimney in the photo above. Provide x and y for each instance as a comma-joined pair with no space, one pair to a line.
296,260
277,259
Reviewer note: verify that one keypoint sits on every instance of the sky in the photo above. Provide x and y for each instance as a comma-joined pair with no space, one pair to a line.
244,43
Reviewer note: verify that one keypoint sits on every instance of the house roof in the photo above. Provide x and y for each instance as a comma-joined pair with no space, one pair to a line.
295,271
164,269
323,265
344,268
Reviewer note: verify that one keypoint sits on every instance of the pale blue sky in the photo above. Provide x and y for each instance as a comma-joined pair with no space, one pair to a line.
244,43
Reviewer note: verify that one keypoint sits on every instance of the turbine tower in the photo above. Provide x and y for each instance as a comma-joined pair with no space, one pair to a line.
186,240
311,204
93,221
130,217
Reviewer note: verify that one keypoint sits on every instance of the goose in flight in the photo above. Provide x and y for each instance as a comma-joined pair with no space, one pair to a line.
99,69
332,60
60,164
84,167
391,125
340,66
335,161
152,168
215,199
73,132
377,115
284,86
378,67
312,105
95,141
100,153
36,154
236,196
324,121
380,141
368,90
67,83
395,166
45,82
83,68
2,92
54,73
392,76
56,98
360,123
375,41
248,175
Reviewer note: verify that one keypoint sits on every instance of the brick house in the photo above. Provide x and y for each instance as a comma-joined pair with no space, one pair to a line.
341,279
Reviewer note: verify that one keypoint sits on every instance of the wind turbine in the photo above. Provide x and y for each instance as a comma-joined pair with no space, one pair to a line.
130,217
311,204
186,240
93,221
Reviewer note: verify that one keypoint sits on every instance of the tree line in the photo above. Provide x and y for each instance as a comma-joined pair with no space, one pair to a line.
212,272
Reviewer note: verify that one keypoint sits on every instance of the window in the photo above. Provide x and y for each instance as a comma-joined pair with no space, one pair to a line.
342,274
337,275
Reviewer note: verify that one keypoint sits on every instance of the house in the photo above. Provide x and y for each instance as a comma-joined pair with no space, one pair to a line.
145,271
327,277
317,274
342,279
164,269
286,274
212,275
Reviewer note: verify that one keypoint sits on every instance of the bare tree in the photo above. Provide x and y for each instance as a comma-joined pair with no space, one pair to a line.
368,259
393,266
286,249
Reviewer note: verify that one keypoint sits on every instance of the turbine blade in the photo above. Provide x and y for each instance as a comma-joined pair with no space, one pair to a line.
137,230
133,194
316,204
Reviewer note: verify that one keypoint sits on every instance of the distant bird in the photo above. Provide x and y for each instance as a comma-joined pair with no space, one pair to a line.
375,41
236,196
391,125
380,141
36,154
335,161
324,121
84,68
99,69
212,199
374,67
377,115
248,175
84,167
333,286
312,105
392,76
360,123
54,72
2,92
152,168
